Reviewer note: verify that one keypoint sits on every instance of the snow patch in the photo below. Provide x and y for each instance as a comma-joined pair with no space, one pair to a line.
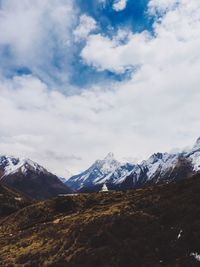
195,255
179,235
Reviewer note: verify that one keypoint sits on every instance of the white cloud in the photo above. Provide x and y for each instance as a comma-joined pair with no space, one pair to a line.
105,53
161,6
86,25
177,37
156,110
119,5
36,33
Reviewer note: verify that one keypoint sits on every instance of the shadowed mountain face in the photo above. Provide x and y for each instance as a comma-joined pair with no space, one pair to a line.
30,178
159,168
155,226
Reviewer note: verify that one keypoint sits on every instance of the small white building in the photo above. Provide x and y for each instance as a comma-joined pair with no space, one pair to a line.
104,188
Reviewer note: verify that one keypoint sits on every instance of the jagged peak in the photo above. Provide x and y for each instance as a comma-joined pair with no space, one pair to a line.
110,156
109,159
155,157
14,164
197,143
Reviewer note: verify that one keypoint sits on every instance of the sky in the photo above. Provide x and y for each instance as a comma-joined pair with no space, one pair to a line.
80,79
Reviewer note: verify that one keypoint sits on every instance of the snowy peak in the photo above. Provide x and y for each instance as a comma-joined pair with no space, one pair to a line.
29,165
110,156
108,164
11,165
198,141
6,161
155,158
197,144
30,178
98,173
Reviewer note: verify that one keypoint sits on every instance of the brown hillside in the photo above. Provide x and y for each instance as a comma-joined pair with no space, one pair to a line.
152,227
11,200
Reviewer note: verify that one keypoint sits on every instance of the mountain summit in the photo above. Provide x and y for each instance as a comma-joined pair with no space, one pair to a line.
30,178
11,165
110,156
99,173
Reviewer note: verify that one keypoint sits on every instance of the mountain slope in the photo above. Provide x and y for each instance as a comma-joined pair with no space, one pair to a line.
11,200
154,226
31,178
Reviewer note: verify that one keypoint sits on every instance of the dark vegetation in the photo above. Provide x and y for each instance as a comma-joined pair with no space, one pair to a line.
151,227
11,200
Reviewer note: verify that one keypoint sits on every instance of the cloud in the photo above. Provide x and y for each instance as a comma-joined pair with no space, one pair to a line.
162,6
157,109
105,53
119,5
179,27
86,26
37,35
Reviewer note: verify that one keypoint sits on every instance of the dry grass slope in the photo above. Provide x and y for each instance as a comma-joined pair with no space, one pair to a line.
152,227
11,200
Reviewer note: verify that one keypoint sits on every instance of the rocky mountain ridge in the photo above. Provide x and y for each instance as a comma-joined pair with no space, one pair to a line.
159,168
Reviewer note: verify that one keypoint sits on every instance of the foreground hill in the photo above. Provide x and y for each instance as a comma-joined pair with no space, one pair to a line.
150,227
11,201
30,178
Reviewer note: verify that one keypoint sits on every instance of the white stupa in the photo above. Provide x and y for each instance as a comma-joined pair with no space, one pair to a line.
104,188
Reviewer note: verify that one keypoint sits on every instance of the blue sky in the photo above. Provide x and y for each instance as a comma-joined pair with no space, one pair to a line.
134,18
79,79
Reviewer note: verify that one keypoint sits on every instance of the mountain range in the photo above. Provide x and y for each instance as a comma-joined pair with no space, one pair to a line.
158,168
36,182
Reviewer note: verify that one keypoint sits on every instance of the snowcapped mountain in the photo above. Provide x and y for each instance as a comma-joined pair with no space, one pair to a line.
160,167
102,171
11,165
30,178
